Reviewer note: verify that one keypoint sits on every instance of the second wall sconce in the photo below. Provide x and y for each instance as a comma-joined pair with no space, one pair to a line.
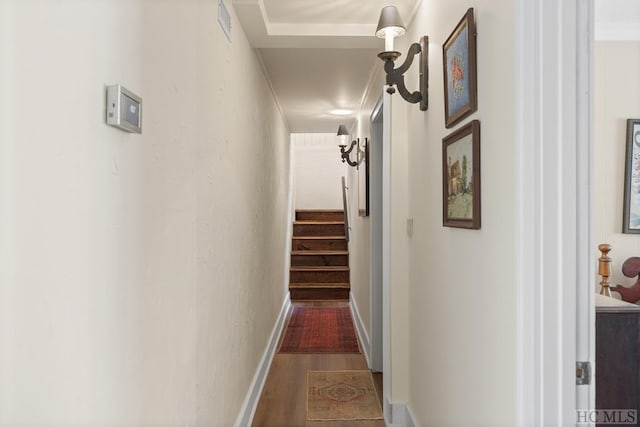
343,140
390,26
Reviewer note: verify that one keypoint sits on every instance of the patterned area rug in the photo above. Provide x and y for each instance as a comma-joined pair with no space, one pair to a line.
341,395
320,330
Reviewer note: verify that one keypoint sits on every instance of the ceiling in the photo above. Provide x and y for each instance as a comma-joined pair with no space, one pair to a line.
331,11
319,54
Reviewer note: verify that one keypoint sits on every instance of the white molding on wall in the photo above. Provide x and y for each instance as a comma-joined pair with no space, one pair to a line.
552,215
248,409
386,246
585,317
610,31
399,415
376,123
362,332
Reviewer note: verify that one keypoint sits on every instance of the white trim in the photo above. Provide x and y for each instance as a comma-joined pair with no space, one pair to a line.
362,333
527,387
552,188
398,415
375,228
585,236
245,417
386,245
617,31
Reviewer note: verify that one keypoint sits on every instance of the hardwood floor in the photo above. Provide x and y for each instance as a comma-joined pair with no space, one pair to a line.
283,400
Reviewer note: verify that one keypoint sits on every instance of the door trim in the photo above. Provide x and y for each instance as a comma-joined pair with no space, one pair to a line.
376,253
554,267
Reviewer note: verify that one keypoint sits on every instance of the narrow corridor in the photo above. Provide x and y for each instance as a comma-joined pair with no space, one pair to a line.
283,400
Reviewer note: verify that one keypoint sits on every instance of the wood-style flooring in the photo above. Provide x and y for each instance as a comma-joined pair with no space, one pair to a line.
283,402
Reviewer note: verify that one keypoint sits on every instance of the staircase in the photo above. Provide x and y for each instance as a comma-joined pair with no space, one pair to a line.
319,256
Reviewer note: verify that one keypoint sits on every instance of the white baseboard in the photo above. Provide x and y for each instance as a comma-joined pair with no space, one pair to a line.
400,415
362,332
248,410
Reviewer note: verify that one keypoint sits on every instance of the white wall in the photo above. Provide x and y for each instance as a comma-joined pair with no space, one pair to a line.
452,291
617,98
317,171
462,339
123,297
360,238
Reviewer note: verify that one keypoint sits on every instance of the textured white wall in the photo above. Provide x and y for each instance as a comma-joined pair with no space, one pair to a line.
317,171
461,297
452,292
143,272
360,239
617,98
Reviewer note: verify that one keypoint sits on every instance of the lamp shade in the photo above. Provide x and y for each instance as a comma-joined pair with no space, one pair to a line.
343,135
390,21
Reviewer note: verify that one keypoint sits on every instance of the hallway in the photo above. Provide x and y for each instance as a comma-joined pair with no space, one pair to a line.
283,400
145,276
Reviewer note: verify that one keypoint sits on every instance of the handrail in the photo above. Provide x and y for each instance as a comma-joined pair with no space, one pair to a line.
345,204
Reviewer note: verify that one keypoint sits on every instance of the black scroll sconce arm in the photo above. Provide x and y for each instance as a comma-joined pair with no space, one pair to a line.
395,76
345,153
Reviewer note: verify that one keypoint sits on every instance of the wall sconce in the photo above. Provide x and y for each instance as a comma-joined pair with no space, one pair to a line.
343,139
390,26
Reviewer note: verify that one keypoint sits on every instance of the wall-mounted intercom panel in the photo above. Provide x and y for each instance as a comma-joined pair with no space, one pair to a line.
124,109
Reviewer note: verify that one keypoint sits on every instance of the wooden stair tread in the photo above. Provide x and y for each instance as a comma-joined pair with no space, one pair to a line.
319,268
321,210
319,237
318,223
312,252
318,285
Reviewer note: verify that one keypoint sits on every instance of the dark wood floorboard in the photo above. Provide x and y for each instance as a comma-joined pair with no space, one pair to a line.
283,401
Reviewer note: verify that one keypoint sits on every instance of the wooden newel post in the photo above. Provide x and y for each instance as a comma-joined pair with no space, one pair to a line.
604,269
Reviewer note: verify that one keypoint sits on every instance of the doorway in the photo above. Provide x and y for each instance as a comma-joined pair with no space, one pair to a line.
376,272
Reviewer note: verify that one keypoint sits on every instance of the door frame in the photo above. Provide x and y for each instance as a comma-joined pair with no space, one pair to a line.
376,264
555,261
381,313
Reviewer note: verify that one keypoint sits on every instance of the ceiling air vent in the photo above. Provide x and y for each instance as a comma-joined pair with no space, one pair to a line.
224,19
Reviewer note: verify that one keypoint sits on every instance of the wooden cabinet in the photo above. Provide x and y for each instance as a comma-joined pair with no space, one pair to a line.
617,356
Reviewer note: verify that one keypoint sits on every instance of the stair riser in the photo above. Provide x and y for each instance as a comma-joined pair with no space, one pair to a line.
319,294
318,229
319,245
319,277
319,260
319,216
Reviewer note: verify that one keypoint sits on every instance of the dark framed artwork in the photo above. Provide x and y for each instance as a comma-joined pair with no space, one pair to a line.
631,209
460,77
363,178
461,177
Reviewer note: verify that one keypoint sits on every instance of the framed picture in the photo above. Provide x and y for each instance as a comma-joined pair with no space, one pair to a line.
631,210
461,177
363,178
460,78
